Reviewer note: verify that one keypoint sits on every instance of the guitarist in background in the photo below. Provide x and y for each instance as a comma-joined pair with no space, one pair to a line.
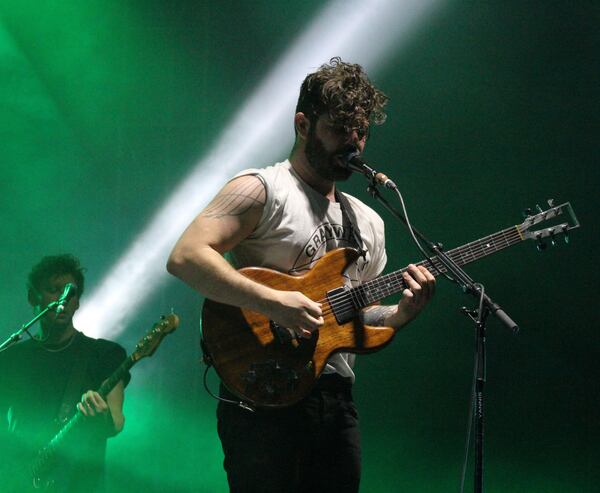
286,217
42,379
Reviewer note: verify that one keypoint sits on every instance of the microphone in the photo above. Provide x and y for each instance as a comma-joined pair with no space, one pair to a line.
69,291
353,161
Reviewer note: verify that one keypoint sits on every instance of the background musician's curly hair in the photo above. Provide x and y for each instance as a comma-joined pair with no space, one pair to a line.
344,92
54,265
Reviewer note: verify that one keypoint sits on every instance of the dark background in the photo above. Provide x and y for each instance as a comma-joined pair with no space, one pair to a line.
106,107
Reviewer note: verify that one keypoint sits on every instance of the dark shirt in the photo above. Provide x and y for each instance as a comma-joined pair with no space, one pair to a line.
33,381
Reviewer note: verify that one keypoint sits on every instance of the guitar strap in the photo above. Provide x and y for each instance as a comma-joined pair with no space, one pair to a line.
73,387
350,218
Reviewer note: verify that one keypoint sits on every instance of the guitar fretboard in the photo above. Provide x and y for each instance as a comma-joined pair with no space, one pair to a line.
392,283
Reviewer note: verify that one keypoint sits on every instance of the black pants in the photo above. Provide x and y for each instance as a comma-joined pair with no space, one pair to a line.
312,446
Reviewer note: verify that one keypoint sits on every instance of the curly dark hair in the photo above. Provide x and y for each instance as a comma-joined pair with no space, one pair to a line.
344,92
54,265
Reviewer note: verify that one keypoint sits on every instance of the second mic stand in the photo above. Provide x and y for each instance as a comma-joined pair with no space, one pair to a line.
16,336
479,316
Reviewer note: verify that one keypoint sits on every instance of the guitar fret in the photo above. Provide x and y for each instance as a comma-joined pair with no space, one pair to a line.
388,284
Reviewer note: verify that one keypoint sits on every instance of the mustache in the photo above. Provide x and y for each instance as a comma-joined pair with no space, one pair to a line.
345,150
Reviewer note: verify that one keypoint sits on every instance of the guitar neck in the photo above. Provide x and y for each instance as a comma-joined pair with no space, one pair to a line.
392,283
145,347
118,374
50,449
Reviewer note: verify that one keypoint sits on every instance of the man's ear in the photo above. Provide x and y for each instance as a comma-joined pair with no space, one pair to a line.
301,124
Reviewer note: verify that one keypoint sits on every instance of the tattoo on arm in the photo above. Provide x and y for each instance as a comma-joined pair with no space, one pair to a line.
237,201
376,315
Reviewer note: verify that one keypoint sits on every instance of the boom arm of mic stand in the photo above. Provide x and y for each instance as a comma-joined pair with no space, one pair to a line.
16,336
472,287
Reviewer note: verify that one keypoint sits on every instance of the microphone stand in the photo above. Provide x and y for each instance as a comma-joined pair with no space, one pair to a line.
478,315
16,336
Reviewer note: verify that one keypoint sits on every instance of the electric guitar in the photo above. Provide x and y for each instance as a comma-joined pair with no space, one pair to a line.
268,366
45,468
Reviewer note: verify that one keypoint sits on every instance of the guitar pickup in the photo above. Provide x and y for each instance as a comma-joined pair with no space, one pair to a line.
342,304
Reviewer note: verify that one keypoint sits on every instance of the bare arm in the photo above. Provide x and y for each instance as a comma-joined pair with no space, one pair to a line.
197,258
92,404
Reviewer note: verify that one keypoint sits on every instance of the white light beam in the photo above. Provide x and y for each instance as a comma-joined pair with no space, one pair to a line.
357,30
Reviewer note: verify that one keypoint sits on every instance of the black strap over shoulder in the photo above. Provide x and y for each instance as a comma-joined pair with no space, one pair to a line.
348,215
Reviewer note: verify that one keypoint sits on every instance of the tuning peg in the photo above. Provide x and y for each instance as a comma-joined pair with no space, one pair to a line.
527,212
541,246
550,202
565,230
552,238
539,208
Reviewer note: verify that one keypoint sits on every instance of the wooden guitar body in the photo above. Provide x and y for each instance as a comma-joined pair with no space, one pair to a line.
266,365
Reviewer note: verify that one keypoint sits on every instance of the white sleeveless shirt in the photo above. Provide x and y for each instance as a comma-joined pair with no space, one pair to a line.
299,225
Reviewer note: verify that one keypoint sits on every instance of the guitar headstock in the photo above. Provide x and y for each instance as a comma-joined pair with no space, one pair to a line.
548,224
149,343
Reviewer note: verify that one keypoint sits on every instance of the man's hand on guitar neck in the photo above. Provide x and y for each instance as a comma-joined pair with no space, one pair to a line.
92,404
111,409
420,289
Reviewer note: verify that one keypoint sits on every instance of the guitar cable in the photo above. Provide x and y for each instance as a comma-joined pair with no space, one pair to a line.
476,363
410,228
208,362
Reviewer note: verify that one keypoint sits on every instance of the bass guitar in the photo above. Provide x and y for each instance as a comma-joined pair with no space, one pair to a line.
268,366
45,468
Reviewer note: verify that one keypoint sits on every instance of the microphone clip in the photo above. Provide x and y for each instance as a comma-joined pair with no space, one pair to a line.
69,291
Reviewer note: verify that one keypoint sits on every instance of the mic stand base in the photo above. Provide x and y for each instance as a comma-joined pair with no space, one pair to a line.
479,316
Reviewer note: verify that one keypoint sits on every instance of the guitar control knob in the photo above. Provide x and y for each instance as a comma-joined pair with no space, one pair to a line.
250,377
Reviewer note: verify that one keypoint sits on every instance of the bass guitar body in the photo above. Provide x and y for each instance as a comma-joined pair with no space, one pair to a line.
266,365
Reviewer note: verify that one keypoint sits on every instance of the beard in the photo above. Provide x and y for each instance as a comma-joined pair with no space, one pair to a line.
325,164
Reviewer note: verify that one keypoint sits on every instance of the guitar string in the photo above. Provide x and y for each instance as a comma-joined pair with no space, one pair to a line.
344,302
436,269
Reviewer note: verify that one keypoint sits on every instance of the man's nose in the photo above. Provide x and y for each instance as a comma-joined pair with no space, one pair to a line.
354,139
